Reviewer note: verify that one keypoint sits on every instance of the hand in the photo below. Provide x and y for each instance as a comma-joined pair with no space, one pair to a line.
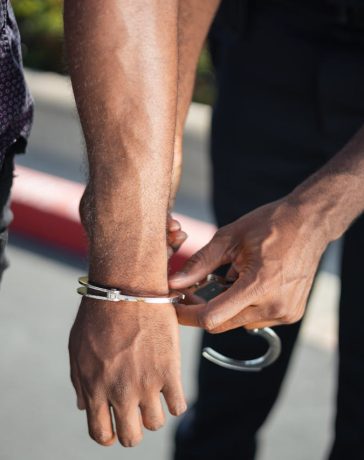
175,236
274,253
122,356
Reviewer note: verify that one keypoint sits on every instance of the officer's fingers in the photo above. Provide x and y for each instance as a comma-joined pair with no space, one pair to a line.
176,239
100,423
203,262
174,395
229,304
172,224
128,423
232,275
255,317
243,319
190,315
77,386
152,412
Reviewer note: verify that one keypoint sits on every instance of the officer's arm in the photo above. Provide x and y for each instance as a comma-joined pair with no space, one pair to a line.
336,192
194,19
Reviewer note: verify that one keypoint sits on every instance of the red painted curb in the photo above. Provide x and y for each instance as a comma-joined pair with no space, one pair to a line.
46,208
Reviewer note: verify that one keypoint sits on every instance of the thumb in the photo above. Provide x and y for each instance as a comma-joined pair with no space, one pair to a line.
201,264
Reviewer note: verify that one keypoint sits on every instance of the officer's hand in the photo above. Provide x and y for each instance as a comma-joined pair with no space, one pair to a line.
274,253
123,356
175,236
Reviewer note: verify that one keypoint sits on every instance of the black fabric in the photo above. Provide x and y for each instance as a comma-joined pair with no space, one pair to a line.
290,95
6,180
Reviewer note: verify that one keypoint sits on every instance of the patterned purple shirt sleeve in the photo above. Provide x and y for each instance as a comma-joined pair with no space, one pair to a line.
16,105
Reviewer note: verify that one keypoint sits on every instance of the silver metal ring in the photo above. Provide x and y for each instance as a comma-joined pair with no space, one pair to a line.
252,365
115,295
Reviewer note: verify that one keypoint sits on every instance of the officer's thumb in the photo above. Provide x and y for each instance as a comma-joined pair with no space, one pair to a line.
201,264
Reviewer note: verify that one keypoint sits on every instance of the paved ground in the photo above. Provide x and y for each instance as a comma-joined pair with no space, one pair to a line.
38,302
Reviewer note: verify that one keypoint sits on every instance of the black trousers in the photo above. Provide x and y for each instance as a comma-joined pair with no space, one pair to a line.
290,95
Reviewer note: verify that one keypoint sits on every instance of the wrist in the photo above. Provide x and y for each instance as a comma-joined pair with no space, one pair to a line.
123,255
142,282
319,213
312,220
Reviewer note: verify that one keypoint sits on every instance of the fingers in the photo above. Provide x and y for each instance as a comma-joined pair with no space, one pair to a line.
205,261
128,423
172,224
77,386
242,294
175,236
252,317
219,310
174,396
190,315
232,275
176,239
152,412
100,423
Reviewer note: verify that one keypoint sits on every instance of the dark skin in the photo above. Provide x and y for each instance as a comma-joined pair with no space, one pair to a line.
133,80
274,251
132,65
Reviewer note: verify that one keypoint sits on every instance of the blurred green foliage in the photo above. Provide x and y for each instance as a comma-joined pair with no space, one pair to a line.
41,27
205,90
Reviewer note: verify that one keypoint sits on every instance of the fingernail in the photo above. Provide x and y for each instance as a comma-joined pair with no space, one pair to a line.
231,279
177,276
181,236
174,226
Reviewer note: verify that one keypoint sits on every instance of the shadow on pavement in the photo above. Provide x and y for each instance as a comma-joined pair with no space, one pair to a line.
46,250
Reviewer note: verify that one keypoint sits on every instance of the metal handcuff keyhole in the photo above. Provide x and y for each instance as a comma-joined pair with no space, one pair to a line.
212,287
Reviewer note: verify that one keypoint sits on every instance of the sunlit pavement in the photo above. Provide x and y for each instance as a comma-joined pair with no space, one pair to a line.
38,417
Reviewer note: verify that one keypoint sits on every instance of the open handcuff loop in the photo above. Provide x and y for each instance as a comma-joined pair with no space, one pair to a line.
214,286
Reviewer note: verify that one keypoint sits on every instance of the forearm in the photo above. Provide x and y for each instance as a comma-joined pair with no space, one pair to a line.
123,64
194,20
334,196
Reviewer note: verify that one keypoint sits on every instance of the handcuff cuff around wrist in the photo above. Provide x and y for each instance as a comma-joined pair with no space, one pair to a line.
211,287
115,295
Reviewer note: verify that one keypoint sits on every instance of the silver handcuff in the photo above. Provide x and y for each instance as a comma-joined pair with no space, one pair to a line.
212,287
203,291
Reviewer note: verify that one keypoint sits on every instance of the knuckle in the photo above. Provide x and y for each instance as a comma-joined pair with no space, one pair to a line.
277,310
197,259
289,319
147,380
121,391
223,235
207,322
